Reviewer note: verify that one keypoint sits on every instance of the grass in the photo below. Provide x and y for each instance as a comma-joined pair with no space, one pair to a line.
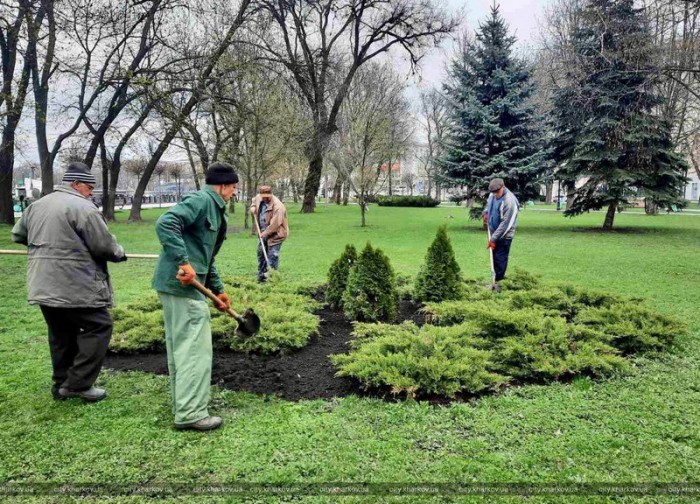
640,428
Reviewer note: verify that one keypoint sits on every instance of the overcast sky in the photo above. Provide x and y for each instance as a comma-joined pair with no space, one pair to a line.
522,17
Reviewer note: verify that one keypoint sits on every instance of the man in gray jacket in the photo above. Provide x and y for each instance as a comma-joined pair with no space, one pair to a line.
69,245
501,216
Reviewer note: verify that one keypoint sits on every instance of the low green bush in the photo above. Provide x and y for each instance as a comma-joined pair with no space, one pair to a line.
528,332
338,276
439,277
371,293
287,321
407,201
432,360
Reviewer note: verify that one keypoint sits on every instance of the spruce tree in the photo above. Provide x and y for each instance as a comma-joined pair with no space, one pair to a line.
371,293
609,140
338,276
438,279
492,129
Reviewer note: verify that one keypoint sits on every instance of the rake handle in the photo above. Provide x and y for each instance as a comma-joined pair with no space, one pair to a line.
262,244
197,285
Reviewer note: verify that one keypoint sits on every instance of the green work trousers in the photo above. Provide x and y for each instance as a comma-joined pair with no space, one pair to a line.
188,342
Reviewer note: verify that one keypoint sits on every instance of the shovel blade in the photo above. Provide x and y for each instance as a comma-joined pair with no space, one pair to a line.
248,324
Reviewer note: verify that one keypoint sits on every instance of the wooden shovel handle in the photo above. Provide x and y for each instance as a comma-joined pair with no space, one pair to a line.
130,256
262,245
197,285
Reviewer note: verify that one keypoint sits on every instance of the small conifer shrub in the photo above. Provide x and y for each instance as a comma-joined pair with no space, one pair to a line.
371,293
338,276
439,278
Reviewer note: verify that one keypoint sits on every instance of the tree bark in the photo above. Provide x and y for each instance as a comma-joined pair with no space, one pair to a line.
313,180
107,201
7,161
549,193
610,216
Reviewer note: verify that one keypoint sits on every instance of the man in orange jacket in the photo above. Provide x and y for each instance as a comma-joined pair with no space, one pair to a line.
271,216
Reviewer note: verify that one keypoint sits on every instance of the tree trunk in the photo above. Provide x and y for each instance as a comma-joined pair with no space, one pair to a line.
363,209
346,192
610,216
650,207
313,180
337,189
7,161
107,197
570,191
549,193
192,164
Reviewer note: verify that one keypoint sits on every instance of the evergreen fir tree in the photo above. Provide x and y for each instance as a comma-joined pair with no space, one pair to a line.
371,293
338,276
608,136
492,129
439,279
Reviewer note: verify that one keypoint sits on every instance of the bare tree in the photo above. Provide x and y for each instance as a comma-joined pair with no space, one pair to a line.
270,126
207,66
408,178
15,17
432,116
323,43
365,130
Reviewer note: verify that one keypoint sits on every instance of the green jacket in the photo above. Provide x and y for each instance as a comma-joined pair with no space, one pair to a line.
191,232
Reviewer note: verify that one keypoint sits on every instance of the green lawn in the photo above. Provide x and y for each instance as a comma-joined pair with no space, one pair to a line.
641,428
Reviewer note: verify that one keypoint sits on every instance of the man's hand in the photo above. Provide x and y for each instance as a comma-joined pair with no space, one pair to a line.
491,245
224,302
486,218
186,274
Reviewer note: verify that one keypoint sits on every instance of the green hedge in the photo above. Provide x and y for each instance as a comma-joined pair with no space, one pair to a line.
407,201
285,311
528,333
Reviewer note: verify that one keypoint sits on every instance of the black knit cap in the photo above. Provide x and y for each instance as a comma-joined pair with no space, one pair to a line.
220,173
79,172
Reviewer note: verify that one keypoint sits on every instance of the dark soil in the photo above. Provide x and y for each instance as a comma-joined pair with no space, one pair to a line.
306,373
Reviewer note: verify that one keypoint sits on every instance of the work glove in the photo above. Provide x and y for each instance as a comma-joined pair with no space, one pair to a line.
486,218
186,274
226,302
491,245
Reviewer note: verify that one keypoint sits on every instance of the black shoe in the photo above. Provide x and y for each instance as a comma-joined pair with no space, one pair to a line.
93,394
56,395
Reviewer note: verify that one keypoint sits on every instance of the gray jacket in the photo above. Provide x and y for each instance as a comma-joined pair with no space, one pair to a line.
69,245
505,219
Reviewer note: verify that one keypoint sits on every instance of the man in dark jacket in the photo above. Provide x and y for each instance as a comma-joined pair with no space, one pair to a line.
192,233
501,216
69,245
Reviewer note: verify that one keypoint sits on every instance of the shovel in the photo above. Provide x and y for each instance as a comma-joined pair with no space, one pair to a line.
248,324
262,246
493,285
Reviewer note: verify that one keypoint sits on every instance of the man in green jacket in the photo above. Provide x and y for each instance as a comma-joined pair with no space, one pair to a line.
191,234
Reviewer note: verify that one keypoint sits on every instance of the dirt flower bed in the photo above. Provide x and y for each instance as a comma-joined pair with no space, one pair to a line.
531,332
